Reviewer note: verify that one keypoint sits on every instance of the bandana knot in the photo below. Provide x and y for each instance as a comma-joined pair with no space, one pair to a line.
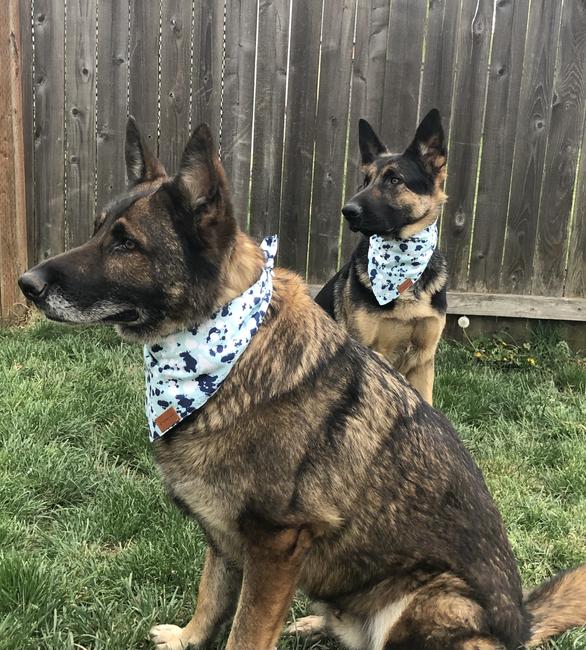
185,369
395,265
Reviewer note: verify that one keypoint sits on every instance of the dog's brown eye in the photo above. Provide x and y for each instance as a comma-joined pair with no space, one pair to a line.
395,180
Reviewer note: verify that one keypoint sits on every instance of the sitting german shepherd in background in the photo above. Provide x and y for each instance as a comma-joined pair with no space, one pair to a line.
401,198
315,464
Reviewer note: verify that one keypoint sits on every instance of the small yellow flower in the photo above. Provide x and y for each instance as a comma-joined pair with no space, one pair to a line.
531,361
478,355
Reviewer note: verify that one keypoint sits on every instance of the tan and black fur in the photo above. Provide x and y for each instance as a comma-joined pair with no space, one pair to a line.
316,465
402,195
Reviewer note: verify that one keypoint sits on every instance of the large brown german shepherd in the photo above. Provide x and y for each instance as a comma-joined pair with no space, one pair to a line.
402,195
315,465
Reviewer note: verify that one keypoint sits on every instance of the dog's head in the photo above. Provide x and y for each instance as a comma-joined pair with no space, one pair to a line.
153,264
402,193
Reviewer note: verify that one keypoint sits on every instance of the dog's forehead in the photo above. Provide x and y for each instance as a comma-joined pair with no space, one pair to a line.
403,165
121,205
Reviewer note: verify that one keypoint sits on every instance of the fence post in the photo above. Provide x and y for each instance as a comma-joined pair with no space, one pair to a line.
13,243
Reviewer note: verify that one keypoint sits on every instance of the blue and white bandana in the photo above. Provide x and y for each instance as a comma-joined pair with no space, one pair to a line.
395,265
185,369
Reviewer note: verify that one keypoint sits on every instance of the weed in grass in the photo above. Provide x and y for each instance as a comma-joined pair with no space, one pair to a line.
92,553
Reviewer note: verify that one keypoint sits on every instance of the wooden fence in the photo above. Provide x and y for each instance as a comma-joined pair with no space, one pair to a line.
283,84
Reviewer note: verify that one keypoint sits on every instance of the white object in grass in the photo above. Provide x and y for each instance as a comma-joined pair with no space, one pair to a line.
463,322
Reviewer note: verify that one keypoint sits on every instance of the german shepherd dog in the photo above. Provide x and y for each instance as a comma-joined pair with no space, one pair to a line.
401,196
315,465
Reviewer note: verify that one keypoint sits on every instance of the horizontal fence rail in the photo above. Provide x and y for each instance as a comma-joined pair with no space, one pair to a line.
283,83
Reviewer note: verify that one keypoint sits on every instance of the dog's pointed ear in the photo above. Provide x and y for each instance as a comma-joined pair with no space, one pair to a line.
141,164
429,142
370,145
198,176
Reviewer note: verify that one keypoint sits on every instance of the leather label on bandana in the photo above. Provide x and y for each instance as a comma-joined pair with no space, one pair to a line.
407,284
167,419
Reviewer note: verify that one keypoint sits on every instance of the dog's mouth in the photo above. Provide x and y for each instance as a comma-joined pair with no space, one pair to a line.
124,316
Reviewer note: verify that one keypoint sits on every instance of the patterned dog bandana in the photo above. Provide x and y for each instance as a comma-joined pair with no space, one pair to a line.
395,265
185,369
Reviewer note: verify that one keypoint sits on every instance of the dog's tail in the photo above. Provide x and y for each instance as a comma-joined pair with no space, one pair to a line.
557,605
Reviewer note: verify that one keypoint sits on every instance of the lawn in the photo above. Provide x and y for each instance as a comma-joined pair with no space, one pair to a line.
91,552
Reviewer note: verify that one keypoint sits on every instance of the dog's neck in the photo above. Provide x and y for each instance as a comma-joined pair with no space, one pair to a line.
241,269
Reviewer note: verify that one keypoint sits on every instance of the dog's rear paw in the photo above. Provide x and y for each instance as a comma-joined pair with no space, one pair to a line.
307,626
168,637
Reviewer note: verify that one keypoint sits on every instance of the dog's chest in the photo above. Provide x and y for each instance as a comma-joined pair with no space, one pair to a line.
390,333
205,490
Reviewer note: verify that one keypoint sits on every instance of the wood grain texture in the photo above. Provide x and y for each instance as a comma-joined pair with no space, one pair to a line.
144,68
80,127
368,70
500,122
403,72
13,249
175,81
469,303
269,116
49,59
563,148
207,64
575,285
440,57
238,101
530,146
330,142
474,33
299,134
112,86
28,127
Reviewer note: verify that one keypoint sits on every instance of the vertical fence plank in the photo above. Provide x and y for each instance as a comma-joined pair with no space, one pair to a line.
112,85
49,21
440,57
330,142
13,251
26,57
575,286
403,72
530,145
368,70
269,115
500,122
144,68
207,64
465,134
300,133
238,101
563,147
175,81
80,112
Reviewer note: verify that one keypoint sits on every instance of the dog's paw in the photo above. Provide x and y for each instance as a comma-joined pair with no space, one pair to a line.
168,637
307,626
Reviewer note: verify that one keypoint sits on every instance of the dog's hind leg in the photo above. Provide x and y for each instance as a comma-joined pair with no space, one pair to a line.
217,596
441,616
308,626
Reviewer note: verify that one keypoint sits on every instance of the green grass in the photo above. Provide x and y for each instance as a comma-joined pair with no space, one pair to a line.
91,552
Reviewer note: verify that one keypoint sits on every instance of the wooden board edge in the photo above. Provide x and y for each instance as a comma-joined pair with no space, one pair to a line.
509,306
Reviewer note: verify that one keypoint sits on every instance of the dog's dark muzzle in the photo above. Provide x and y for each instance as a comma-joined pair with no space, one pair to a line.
353,214
34,284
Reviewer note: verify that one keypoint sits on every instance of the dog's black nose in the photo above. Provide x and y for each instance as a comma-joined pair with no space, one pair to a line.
33,285
352,211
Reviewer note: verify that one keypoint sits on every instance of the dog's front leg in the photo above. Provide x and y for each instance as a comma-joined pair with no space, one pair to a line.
216,601
272,566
